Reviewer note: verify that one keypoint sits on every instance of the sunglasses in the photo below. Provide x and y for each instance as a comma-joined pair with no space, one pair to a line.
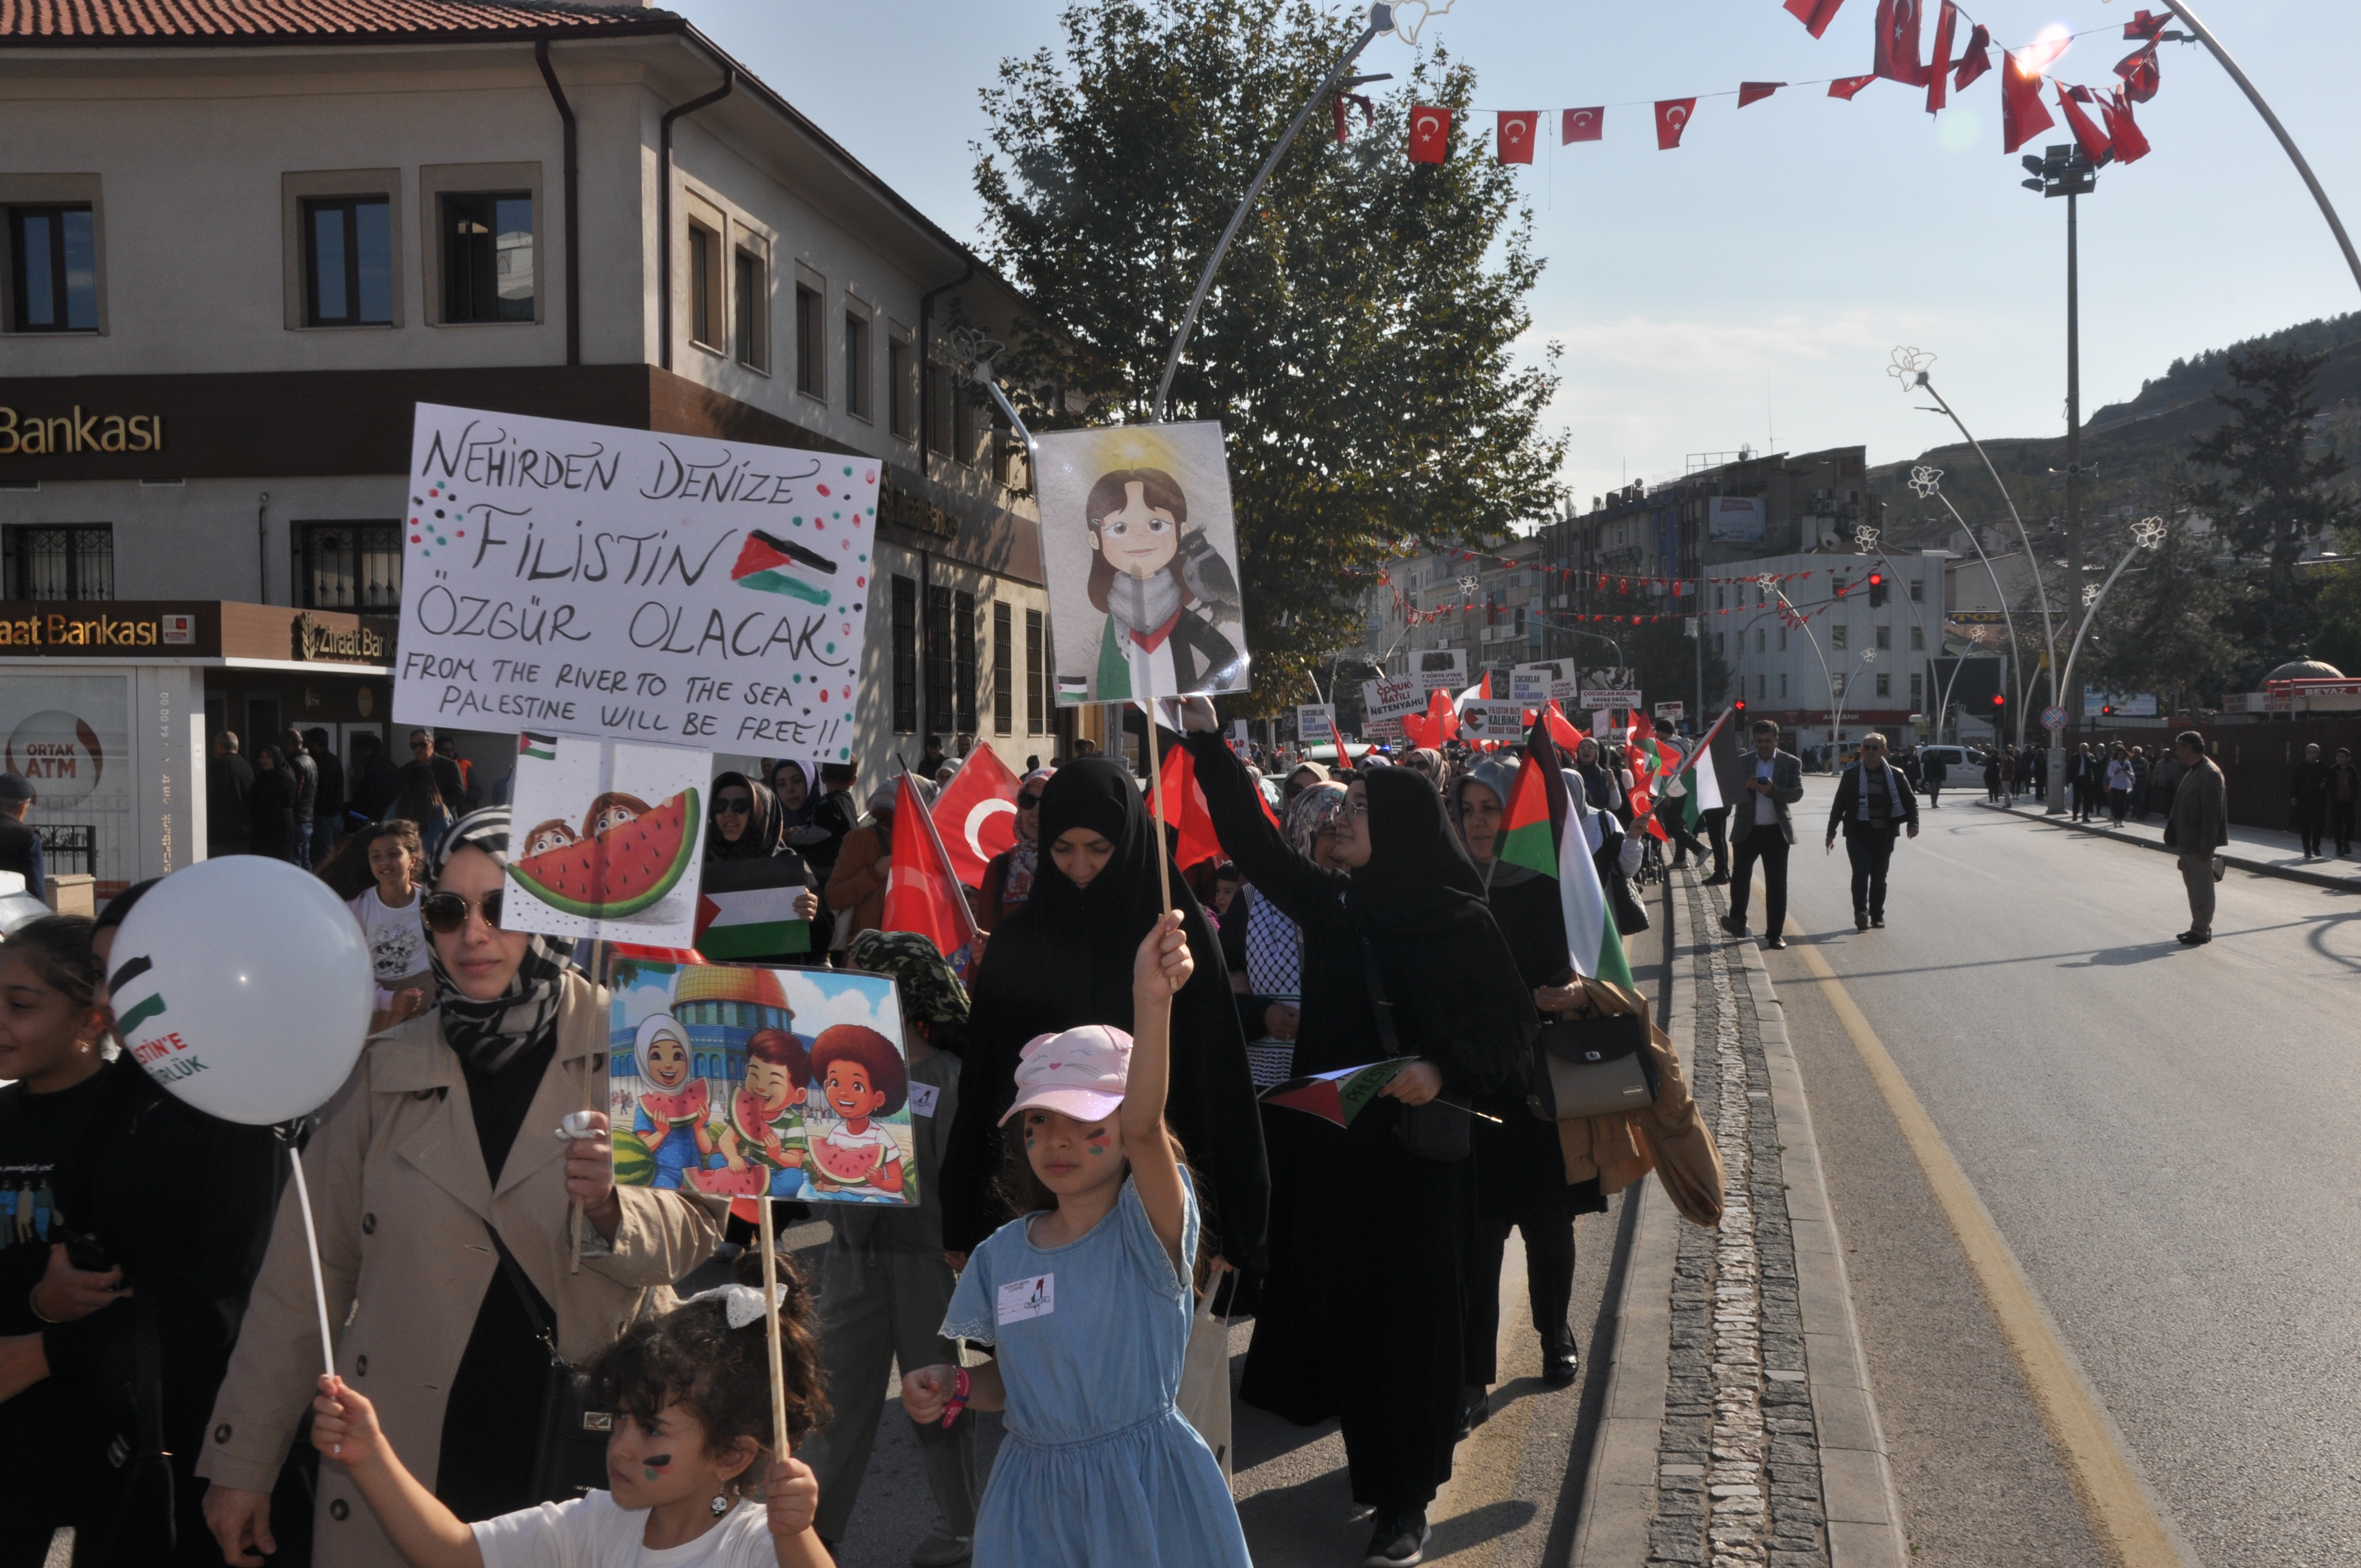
1029,802
733,805
446,913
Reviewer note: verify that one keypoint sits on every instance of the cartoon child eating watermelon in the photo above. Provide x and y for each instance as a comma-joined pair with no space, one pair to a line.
764,1143
672,1115
611,809
862,1076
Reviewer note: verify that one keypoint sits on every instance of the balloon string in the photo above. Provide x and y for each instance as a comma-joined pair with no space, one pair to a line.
312,1240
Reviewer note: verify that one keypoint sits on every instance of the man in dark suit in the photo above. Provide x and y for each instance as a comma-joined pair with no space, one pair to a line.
1874,803
2082,778
228,778
1760,831
20,846
328,803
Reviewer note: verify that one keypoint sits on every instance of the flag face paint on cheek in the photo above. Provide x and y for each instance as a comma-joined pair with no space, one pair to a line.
653,1467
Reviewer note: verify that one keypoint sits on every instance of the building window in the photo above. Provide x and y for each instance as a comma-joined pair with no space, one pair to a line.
1760,681
1037,692
901,389
1782,640
1004,669
704,286
963,659
856,365
1885,637
487,258
1917,591
1718,640
1885,686
350,566
1783,683
1839,686
905,656
939,715
811,344
747,340
53,255
349,261
1918,639
1918,690
69,563
1761,639
1839,636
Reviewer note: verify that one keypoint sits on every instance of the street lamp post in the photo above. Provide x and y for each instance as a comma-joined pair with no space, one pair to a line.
1928,482
2062,170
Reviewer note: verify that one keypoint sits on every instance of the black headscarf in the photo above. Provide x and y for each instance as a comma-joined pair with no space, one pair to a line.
766,829
491,1034
1064,958
1420,904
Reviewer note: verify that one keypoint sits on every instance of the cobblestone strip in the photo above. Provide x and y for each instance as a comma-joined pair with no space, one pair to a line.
1737,1466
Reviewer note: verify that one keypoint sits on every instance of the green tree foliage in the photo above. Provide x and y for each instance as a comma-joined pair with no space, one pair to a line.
1359,344
2274,495
2171,625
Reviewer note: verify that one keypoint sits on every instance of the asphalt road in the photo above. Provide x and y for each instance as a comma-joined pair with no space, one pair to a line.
2161,1134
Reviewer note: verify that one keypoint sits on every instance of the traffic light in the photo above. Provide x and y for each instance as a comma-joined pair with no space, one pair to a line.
1877,590
1999,702
1738,709
2107,709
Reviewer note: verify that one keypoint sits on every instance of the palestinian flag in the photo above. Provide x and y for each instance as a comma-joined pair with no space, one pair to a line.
1337,1096
1543,832
773,565
746,909
1704,787
541,748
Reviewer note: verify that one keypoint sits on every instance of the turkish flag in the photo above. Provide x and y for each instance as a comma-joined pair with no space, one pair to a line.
922,893
1846,86
1755,92
2138,71
2145,26
1430,133
1896,55
1581,125
1516,134
1814,14
2092,140
1561,730
1974,59
1672,119
977,815
2022,116
1938,64
1184,809
2122,130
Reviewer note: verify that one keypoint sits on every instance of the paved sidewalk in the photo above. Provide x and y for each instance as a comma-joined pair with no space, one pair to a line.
1738,1428
2258,850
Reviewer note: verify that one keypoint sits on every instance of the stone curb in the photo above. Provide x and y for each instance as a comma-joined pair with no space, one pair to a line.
2351,883
1619,1496
1864,1512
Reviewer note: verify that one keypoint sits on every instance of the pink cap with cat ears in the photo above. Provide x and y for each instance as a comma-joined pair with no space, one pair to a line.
1082,1073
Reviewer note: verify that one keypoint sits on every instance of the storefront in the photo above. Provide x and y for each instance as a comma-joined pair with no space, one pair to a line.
107,708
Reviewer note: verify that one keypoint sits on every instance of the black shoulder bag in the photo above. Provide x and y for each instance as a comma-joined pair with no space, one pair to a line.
1437,1130
570,1449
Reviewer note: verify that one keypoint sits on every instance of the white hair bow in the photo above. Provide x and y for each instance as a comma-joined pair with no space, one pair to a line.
742,1304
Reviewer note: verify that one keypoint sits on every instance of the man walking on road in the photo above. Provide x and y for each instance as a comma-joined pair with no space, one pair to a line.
1937,773
2307,800
2343,792
2083,781
2199,824
1759,830
1874,803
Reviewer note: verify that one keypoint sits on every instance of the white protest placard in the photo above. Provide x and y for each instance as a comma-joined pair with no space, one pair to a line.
1390,696
1547,681
1608,698
1441,669
1389,730
607,840
583,579
1316,722
1482,720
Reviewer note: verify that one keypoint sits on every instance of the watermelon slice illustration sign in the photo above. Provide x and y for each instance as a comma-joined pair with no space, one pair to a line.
605,839
741,1080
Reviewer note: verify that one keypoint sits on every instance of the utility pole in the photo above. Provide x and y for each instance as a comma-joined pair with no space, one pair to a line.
2064,172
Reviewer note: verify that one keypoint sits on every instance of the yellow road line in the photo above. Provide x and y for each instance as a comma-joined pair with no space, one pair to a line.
2124,1515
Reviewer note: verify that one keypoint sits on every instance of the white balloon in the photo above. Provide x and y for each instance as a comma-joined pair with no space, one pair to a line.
243,985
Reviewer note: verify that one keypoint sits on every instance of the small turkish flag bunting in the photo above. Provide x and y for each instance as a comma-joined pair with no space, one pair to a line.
2140,74
1814,14
1938,67
1517,129
2123,132
2022,116
2146,26
1430,133
1755,92
1975,59
2094,141
1846,86
1672,119
1582,125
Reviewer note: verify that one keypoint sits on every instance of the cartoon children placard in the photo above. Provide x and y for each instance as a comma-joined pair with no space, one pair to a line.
1141,553
607,840
741,1080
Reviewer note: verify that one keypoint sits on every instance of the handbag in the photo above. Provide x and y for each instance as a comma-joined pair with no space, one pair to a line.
1597,1066
1203,1397
570,1447
134,1527
1438,1130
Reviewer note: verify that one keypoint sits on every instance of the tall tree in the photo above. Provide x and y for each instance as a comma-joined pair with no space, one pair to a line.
2273,496
2171,625
1359,344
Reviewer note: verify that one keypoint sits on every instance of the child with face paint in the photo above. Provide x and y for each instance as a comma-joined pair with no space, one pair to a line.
688,1462
1086,1303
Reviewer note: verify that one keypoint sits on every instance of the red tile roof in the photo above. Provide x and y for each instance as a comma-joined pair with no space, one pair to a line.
85,23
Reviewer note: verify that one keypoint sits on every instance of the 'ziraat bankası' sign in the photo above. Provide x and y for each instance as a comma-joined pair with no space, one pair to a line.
593,580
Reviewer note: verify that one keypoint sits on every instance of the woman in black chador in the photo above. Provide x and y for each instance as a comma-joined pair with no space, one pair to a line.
1064,959
1361,1314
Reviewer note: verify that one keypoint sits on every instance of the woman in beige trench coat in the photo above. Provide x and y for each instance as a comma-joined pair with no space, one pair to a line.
446,1123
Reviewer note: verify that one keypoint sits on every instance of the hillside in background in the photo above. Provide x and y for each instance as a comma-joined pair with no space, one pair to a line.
2133,445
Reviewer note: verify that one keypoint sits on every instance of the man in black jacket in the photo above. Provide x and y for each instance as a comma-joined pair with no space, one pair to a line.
1874,803
2082,779
20,846
1761,832
328,805
227,780
2307,800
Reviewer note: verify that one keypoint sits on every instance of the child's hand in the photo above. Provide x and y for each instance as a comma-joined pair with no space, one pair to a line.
790,1497
926,1391
1163,965
344,1424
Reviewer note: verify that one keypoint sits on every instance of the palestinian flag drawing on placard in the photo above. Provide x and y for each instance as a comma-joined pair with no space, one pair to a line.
1337,1096
773,565
746,909
1544,833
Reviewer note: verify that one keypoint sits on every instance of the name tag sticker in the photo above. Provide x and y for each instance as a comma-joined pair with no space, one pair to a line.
922,1098
1035,1298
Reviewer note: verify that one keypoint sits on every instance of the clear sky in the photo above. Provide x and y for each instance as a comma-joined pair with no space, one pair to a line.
1751,285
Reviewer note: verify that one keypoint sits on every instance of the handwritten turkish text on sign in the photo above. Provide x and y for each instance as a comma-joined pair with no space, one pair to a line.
586,579
1389,696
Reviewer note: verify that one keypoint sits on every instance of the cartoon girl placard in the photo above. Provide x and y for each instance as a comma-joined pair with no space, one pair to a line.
1140,550
674,1106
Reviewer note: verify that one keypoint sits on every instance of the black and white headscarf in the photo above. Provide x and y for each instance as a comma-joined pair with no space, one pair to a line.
491,1034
